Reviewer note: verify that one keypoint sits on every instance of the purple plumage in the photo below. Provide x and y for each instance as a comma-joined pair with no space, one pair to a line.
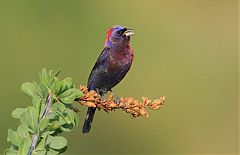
111,66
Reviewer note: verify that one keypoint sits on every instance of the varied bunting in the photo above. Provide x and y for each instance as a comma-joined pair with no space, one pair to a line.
111,66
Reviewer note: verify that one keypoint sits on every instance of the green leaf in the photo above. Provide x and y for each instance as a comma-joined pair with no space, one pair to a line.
67,118
69,99
58,106
53,116
44,123
67,127
36,103
23,119
17,112
78,93
46,133
57,72
56,142
66,121
50,78
44,90
13,137
23,132
41,146
69,82
68,96
70,116
29,89
66,84
57,85
44,77
62,119
38,89
24,146
54,125
30,118
69,106
67,93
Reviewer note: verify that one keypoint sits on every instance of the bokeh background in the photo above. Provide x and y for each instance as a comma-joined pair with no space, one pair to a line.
186,50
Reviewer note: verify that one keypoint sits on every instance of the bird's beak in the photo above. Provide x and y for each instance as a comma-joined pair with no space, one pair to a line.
129,32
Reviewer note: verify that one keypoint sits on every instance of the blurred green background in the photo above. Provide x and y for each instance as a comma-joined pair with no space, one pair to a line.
186,50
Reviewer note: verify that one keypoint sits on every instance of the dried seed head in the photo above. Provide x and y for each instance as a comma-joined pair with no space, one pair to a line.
133,106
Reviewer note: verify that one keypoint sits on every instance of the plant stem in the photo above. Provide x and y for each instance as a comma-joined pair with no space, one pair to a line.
45,113
48,105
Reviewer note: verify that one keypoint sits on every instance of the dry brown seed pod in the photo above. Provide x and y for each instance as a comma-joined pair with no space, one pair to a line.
135,107
90,104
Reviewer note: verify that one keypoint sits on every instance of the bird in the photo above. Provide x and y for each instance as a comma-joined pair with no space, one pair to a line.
111,66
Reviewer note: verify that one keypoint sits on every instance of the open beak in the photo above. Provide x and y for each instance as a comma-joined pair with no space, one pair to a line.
129,32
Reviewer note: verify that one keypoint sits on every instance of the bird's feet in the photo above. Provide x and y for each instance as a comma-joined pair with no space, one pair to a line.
117,100
100,94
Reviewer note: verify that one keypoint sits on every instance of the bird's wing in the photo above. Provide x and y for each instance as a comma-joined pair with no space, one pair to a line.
98,65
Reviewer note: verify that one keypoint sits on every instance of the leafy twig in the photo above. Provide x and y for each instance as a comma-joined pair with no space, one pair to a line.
35,136
52,113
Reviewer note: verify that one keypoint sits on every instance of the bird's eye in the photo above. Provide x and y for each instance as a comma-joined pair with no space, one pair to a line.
119,32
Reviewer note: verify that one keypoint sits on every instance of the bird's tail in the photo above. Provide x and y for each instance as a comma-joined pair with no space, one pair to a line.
88,120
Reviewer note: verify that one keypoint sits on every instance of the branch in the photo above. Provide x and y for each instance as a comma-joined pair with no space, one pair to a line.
130,105
48,105
45,113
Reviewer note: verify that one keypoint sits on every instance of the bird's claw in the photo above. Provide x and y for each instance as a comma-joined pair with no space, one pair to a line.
102,99
117,100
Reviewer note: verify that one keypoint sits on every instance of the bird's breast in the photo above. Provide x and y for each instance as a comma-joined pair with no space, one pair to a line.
120,61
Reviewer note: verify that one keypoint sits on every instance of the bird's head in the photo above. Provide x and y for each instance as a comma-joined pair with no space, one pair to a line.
118,36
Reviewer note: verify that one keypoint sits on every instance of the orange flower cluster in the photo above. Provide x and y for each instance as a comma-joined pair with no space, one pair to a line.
135,107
